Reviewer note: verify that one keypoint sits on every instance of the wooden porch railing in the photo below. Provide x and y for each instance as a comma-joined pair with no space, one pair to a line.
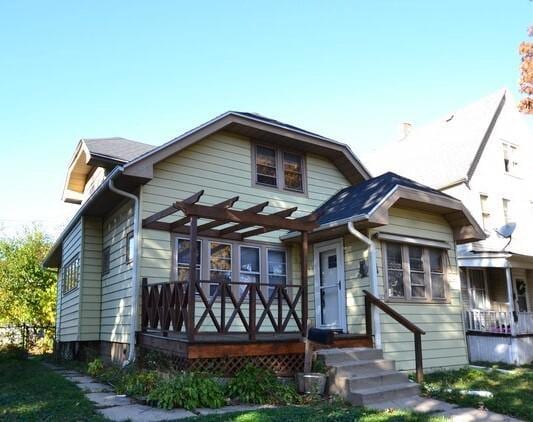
232,308
370,300
498,322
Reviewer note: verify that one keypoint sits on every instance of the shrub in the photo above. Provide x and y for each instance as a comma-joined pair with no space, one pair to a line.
188,390
137,383
260,386
95,367
319,366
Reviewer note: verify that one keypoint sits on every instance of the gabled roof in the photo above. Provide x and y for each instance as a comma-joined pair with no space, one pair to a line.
100,152
368,204
447,151
365,197
261,129
120,150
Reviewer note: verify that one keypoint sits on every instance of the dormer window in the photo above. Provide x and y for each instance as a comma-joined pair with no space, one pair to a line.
276,168
510,162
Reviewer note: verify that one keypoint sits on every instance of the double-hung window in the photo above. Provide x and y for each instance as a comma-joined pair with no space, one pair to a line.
277,269
510,158
183,259
279,169
250,266
478,288
415,272
219,264
485,211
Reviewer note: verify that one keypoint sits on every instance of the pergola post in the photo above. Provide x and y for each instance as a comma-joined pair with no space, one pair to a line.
303,268
192,277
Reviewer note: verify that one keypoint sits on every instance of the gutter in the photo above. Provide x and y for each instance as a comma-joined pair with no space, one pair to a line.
135,269
373,280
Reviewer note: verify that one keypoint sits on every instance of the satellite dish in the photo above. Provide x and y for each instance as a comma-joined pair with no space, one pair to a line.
507,231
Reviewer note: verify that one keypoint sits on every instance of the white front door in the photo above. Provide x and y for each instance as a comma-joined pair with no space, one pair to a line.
329,285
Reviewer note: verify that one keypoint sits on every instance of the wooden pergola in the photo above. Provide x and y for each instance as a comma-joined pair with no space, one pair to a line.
238,225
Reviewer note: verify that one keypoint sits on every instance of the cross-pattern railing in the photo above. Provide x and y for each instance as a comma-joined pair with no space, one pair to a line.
222,307
498,322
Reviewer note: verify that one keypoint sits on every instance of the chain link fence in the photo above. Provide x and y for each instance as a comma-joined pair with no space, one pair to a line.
32,339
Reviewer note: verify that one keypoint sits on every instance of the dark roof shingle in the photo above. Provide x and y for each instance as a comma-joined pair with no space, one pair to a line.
362,198
117,149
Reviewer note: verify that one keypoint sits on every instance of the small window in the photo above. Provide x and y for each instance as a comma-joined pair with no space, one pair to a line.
437,274
130,246
277,268
506,205
293,172
219,264
265,162
249,266
183,258
485,213
106,260
416,267
395,270
510,157
70,275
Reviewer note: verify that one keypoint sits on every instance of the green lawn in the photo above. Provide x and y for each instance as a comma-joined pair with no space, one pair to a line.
31,392
512,392
330,412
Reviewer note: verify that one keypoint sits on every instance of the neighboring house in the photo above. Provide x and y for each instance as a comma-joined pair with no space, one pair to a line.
256,269
483,155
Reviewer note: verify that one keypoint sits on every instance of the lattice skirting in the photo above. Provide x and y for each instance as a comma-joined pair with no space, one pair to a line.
282,365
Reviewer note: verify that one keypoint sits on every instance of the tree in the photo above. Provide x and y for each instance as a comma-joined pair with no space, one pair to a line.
27,290
526,75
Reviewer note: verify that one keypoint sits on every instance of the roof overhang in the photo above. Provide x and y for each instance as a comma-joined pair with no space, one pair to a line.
464,226
81,165
340,154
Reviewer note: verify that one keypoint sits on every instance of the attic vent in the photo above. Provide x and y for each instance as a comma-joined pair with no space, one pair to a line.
450,118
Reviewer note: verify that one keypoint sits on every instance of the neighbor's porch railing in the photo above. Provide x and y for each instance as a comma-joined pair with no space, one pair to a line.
498,322
230,308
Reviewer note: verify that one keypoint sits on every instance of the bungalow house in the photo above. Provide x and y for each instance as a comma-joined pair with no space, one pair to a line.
225,244
481,154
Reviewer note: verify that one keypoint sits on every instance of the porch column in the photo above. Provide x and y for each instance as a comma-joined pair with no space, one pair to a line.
192,277
510,297
303,269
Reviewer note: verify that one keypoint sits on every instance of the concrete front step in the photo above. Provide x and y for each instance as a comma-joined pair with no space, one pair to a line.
365,396
360,367
331,356
373,380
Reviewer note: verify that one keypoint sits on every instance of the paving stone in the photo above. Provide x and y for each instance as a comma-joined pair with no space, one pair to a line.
467,414
94,387
417,403
231,409
79,379
108,399
141,413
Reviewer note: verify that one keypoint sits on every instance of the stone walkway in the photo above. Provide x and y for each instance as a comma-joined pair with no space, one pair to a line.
440,408
117,407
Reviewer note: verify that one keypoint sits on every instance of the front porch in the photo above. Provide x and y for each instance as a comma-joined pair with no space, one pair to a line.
498,321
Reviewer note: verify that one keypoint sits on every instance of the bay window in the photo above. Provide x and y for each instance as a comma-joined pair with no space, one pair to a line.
183,259
249,266
414,272
277,268
219,264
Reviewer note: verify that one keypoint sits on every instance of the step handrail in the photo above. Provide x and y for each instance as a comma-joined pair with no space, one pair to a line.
370,300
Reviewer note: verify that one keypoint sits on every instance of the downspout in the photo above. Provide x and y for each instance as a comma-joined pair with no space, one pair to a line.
135,266
372,263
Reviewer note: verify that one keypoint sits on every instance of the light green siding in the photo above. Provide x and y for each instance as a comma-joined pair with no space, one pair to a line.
221,165
444,343
91,272
69,314
116,285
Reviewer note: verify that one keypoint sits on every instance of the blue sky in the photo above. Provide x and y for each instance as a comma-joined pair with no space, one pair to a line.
151,70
